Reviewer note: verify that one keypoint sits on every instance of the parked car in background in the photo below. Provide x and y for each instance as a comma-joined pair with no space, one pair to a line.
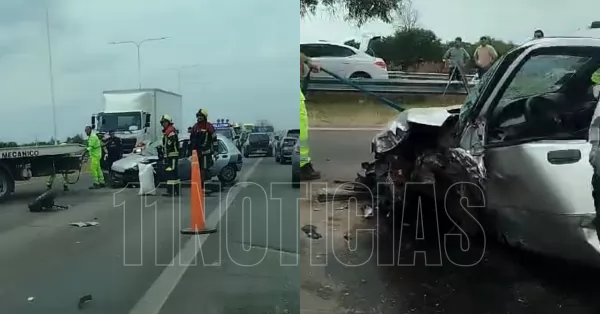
345,61
284,150
296,165
227,164
258,144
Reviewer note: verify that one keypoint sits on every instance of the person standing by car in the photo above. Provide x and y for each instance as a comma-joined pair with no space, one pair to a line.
94,148
484,56
203,139
307,172
113,151
455,58
170,144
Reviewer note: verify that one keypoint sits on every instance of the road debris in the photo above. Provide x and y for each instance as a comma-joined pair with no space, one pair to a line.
84,300
311,232
82,224
368,211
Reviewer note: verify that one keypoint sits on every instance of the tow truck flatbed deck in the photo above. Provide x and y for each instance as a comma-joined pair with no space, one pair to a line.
39,151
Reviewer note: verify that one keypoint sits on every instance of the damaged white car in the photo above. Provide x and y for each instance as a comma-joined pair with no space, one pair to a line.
520,141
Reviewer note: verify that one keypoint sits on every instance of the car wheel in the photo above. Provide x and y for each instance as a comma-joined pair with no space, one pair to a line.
7,185
228,174
360,75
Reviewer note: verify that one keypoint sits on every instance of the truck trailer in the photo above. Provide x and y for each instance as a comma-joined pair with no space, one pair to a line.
135,114
24,163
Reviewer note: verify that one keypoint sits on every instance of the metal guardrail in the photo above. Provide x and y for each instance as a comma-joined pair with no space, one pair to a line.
421,75
391,86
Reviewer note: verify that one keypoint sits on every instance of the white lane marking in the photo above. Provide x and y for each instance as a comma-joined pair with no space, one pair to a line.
346,129
160,290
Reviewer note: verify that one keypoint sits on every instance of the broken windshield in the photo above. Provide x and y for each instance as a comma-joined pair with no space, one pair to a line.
542,74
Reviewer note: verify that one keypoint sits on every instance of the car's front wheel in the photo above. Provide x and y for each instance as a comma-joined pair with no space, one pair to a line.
228,174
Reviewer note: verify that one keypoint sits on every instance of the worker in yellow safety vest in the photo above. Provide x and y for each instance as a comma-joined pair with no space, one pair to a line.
596,77
307,172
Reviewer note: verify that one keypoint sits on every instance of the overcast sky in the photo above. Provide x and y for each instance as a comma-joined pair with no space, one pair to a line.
508,19
243,47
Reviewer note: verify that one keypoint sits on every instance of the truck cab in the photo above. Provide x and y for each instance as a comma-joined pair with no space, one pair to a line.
132,127
135,116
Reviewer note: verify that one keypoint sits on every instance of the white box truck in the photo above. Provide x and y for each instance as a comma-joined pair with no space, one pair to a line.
135,114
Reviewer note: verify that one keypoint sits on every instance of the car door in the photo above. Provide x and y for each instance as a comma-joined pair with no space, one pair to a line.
553,175
333,58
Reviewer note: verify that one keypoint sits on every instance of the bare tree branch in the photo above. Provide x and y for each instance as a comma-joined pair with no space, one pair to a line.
407,16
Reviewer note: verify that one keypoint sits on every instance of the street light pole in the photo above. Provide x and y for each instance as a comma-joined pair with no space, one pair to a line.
138,44
51,73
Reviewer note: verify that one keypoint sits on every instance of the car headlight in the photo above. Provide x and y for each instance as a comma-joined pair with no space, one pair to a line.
138,150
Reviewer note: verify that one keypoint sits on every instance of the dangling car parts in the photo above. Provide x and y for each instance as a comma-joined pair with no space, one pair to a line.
519,146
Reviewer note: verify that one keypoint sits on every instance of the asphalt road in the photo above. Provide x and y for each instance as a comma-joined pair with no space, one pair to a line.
135,260
505,281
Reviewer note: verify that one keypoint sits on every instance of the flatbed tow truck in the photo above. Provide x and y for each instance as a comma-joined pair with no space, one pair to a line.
24,163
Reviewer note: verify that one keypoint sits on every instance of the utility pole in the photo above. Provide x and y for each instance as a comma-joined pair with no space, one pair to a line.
51,73
138,44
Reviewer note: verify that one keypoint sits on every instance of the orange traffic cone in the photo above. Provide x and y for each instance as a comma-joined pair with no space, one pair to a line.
197,201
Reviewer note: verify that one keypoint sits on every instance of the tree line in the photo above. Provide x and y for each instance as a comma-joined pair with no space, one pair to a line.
408,47
77,139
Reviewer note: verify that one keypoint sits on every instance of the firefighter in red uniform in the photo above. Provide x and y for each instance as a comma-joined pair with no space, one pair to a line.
170,143
203,139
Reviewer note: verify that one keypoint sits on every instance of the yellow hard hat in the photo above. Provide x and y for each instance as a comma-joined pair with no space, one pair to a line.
166,118
202,112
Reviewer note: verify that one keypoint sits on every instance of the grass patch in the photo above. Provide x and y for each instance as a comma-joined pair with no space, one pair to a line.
355,110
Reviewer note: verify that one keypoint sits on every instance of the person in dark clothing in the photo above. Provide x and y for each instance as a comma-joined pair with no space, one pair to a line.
170,144
203,139
113,151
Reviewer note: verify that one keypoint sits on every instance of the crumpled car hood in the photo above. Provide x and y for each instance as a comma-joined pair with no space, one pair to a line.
396,130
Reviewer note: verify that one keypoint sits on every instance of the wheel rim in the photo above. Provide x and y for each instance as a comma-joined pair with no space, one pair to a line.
227,173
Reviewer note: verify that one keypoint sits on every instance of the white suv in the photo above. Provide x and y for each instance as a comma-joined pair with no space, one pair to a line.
345,61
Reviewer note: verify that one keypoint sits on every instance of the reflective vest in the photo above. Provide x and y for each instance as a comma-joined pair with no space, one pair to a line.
304,150
170,143
596,77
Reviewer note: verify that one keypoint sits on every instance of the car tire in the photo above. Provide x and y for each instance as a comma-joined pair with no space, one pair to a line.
7,185
360,75
228,174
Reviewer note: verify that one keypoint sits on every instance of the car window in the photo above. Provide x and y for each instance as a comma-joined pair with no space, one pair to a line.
542,74
325,50
259,137
228,133
475,92
293,133
222,147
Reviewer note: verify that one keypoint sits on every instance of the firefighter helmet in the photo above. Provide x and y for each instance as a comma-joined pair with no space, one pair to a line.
202,112
166,118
